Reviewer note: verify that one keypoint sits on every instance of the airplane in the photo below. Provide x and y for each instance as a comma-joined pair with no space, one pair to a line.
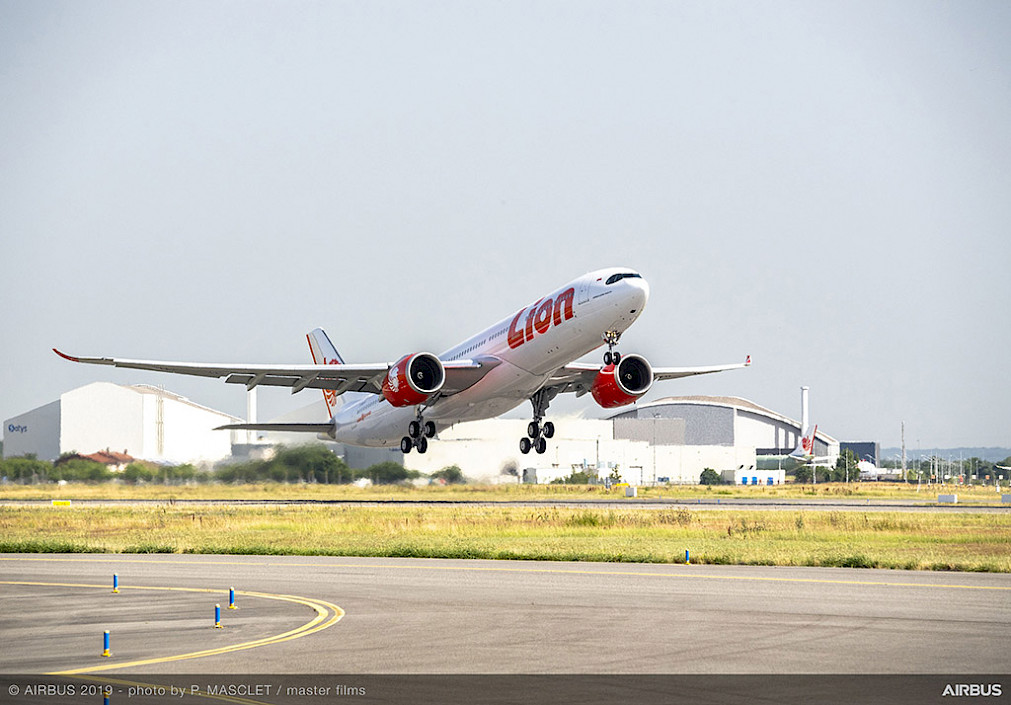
870,471
801,456
528,356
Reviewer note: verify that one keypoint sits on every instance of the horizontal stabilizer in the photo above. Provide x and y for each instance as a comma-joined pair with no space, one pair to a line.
288,427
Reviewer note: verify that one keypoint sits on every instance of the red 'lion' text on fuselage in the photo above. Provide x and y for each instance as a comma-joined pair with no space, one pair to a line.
540,316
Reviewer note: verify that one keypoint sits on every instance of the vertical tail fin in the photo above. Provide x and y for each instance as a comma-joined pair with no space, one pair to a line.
805,449
324,353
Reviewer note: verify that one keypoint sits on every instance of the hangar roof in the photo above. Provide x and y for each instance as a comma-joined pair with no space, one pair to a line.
729,402
159,391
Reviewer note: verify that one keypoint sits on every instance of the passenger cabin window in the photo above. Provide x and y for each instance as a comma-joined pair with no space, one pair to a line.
624,275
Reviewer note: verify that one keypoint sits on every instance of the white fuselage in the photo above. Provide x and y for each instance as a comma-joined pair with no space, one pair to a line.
528,347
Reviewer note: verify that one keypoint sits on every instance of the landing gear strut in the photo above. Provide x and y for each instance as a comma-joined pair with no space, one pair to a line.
537,434
611,337
418,433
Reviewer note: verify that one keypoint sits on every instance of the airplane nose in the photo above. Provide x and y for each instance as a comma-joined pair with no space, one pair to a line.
639,293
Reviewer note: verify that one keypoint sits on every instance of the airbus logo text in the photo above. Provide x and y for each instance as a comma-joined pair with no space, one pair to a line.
973,690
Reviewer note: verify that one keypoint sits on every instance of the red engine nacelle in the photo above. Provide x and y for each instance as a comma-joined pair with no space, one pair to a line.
617,385
414,379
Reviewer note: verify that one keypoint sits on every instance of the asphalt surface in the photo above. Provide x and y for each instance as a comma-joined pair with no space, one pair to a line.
727,504
407,616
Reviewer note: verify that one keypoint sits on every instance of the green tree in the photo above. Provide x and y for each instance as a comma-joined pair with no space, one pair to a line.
25,470
309,463
80,470
845,467
710,477
453,475
577,477
135,473
389,473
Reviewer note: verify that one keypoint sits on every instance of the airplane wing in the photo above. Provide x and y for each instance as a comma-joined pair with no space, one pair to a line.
662,373
460,374
578,376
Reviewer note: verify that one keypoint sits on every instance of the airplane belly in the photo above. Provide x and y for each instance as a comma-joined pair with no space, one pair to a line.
379,427
502,389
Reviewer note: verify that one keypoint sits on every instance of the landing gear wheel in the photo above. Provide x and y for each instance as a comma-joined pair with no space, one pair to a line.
429,429
414,429
421,444
548,430
525,445
541,445
533,429
611,337
405,445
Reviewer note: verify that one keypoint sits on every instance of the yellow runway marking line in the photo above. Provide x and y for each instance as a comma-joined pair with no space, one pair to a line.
327,614
560,571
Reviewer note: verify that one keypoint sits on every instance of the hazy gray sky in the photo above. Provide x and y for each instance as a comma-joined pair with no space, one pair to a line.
826,186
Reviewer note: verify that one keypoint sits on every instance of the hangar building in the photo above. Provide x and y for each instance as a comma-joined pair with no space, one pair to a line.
145,422
671,440
720,421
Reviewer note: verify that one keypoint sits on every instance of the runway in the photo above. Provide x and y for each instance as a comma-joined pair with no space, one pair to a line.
717,504
304,615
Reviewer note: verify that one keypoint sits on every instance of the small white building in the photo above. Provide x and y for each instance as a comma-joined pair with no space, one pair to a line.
145,422
752,476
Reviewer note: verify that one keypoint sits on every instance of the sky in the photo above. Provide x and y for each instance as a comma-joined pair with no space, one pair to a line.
823,186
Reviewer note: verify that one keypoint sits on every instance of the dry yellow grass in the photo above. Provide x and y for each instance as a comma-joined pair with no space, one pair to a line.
971,541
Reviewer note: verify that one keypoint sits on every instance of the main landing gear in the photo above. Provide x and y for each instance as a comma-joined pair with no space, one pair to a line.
537,434
418,433
611,337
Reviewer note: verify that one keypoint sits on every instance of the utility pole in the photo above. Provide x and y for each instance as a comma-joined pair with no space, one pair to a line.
903,450
804,420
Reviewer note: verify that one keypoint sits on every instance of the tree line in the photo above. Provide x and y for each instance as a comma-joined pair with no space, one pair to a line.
313,464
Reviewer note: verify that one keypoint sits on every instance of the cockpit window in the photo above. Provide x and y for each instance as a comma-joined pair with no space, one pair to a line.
624,275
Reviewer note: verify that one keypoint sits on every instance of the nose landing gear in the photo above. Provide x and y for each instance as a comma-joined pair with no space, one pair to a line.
611,337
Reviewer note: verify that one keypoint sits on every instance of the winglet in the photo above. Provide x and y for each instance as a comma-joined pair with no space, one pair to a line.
748,361
65,356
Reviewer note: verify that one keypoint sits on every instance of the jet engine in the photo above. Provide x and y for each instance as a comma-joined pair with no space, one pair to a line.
617,385
413,379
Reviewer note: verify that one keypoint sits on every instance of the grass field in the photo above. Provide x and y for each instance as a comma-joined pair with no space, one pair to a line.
917,541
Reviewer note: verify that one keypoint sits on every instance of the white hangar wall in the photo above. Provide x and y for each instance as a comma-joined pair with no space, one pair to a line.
36,431
145,422
102,415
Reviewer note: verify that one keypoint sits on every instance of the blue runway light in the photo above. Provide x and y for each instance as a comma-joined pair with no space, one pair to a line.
105,640
115,582
217,617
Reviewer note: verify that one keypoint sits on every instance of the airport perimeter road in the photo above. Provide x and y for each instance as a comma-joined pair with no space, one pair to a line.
372,615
